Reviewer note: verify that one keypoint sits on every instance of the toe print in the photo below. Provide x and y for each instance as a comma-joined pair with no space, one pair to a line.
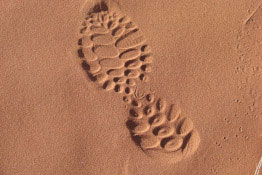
111,46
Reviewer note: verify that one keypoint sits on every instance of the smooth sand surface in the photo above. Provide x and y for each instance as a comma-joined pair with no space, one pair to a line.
207,64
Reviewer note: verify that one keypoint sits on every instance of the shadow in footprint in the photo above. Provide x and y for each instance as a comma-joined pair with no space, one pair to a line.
131,125
86,67
80,53
186,140
99,7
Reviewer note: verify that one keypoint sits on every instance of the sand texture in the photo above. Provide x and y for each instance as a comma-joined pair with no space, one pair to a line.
118,87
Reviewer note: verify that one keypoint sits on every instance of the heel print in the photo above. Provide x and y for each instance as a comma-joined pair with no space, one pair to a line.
160,130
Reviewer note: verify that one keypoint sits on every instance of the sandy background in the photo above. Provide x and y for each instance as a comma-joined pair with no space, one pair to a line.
54,120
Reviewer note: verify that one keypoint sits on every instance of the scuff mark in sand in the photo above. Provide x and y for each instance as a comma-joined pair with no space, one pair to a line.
252,14
126,165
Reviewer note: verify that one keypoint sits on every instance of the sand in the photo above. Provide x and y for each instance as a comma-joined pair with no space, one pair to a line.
130,87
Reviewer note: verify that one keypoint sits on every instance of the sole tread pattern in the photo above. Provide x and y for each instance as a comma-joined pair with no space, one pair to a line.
117,56
114,48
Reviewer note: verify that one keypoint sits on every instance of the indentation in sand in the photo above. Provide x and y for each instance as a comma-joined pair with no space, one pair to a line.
117,57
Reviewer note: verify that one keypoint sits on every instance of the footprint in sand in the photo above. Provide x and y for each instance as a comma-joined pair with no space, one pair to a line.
116,56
